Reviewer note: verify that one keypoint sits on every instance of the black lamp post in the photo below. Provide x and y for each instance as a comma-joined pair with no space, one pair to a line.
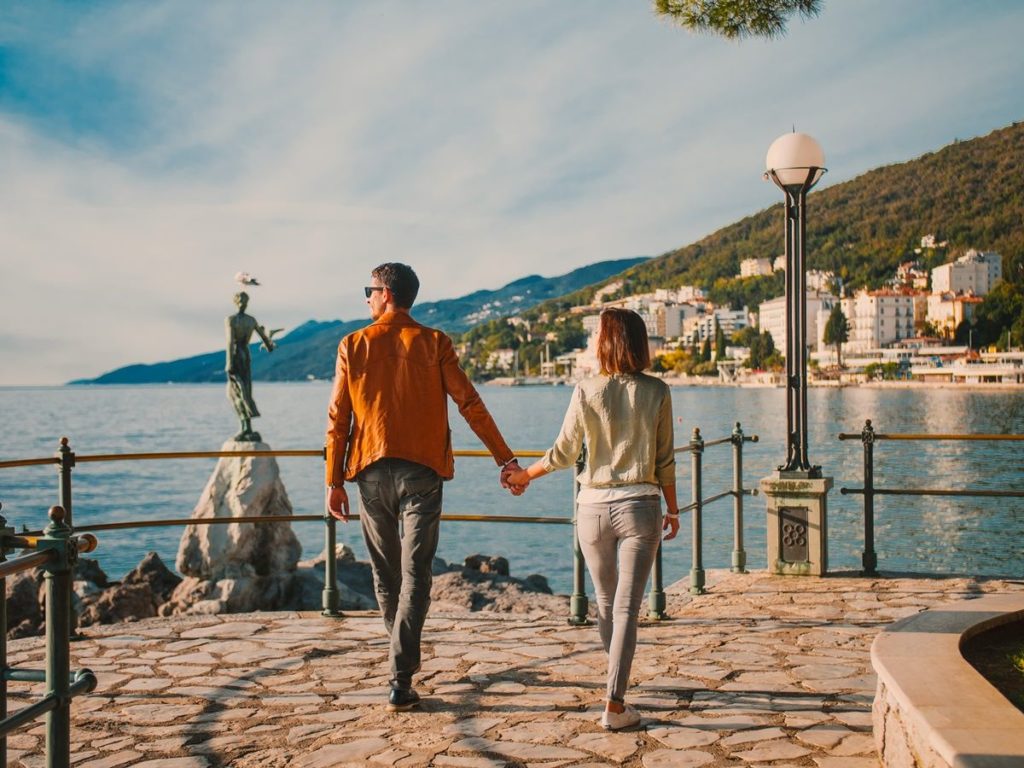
794,163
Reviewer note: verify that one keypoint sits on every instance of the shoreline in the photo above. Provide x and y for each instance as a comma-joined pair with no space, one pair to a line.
679,381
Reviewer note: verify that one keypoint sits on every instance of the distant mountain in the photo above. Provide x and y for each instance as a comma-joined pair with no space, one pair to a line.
309,350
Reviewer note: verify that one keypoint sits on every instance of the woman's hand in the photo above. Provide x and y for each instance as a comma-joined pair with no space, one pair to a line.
671,522
518,477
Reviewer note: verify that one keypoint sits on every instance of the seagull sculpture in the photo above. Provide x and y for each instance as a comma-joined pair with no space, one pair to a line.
244,278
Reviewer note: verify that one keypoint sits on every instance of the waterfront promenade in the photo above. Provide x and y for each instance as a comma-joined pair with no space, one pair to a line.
761,671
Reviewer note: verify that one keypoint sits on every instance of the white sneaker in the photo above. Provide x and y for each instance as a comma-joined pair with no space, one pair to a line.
615,721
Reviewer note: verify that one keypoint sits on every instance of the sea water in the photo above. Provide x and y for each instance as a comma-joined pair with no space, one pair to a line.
923,535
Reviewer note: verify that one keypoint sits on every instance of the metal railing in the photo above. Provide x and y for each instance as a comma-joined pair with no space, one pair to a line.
56,551
868,437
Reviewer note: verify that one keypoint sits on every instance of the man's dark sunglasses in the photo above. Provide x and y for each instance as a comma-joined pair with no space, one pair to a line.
368,290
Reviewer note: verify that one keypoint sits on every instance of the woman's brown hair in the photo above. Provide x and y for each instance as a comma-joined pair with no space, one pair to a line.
622,342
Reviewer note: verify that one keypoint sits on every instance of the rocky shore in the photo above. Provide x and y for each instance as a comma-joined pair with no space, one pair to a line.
480,583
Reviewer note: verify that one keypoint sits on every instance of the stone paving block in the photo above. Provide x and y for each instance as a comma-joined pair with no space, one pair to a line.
778,750
455,761
824,736
517,750
827,761
858,744
127,757
759,735
613,746
673,758
333,755
195,761
472,726
553,732
683,737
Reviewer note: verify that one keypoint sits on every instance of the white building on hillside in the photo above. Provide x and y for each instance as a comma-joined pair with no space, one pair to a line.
772,318
754,267
878,318
975,271
947,310
697,329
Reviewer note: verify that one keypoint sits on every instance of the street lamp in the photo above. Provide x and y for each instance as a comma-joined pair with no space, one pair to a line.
795,163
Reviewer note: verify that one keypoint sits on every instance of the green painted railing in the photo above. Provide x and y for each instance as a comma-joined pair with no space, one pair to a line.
868,438
56,549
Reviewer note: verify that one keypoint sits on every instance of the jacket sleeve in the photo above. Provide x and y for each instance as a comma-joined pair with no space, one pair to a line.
339,420
471,406
665,457
569,442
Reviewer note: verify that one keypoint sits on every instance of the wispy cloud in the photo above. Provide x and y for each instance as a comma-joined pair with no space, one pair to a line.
150,151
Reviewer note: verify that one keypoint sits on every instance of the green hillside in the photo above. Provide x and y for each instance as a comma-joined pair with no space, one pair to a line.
970,194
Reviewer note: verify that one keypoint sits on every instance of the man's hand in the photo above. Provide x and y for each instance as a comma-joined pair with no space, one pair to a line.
516,489
337,503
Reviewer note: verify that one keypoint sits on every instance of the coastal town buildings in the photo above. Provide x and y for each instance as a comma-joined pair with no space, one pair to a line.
697,330
772,318
755,267
878,318
947,310
975,272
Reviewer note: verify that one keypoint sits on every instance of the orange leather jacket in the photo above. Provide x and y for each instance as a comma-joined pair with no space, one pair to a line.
390,394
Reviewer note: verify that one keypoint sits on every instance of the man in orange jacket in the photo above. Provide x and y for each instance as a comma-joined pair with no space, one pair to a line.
387,431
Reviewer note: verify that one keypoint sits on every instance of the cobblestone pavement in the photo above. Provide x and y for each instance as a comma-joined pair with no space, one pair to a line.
761,671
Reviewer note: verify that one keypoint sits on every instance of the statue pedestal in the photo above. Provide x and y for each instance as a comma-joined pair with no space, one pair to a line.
238,566
797,525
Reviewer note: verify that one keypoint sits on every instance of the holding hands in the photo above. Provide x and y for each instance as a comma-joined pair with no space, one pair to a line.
514,478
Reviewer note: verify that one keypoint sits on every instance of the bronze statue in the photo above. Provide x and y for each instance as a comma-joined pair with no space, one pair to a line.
240,328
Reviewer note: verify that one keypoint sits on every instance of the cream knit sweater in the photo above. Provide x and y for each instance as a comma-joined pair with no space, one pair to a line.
625,422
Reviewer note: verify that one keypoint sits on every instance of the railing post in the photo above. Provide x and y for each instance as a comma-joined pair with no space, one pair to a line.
5,531
739,555
696,496
578,604
330,597
58,648
66,461
869,559
656,599
330,594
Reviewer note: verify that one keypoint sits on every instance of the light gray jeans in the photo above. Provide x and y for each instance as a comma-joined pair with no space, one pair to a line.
619,541
393,491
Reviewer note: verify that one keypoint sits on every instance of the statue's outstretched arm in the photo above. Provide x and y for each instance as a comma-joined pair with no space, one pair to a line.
268,338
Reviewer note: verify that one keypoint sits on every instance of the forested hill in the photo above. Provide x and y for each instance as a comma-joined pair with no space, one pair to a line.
970,194
309,350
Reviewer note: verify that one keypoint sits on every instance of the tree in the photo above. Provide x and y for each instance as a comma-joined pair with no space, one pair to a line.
719,341
705,351
737,19
837,332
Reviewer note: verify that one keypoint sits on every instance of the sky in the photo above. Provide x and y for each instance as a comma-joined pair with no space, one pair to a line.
149,151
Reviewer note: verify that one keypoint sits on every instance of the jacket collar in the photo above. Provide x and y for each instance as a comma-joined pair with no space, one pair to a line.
395,318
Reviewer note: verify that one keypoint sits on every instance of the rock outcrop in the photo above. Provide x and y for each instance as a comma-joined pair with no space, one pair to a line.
139,596
232,567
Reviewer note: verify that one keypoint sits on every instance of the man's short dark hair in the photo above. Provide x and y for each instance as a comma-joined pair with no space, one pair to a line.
400,280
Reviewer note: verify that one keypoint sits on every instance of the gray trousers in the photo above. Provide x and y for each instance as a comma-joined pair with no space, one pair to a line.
630,529
393,491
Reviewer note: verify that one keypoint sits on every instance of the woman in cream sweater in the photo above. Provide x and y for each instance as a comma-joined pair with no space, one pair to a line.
623,420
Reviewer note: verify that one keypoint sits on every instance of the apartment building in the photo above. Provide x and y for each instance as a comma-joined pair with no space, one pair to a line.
975,272
772,318
755,267
878,318
947,310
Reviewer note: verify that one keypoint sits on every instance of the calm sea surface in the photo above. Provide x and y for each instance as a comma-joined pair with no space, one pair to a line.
922,535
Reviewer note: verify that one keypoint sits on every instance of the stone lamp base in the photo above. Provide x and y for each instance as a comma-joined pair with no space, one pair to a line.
797,531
